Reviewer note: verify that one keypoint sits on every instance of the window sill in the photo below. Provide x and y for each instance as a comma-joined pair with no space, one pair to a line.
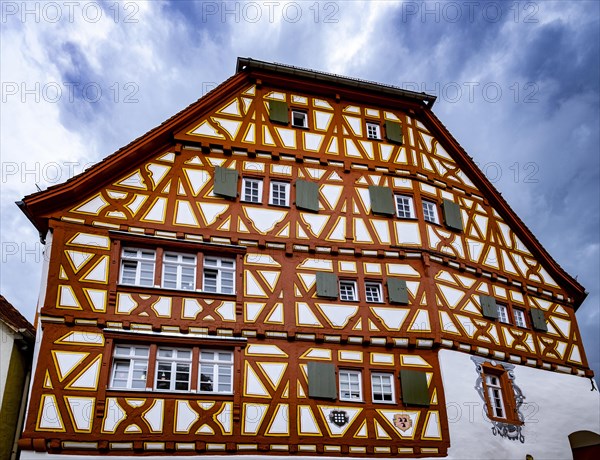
385,402
131,390
358,401
506,421
214,393
178,291
176,392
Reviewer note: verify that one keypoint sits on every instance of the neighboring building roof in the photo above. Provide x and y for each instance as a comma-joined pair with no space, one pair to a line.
11,316
39,204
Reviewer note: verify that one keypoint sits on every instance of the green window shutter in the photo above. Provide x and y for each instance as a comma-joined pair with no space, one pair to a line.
278,112
327,285
393,131
307,195
382,200
397,291
414,387
538,320
452,216
488,306
321,380
225,182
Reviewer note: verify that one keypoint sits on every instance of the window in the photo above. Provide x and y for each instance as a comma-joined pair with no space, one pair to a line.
494,393
404,207
216,371
519,317
280,193
502,397
299,119
252,190
173,369
137,267
350,385
130,367
348,290
502,313
382,387
373,131
179,271
373,292
430,212
219,275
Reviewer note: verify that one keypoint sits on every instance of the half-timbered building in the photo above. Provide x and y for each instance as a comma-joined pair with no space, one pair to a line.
301,264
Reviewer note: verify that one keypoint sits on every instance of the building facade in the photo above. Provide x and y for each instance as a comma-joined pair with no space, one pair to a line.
300,263
17,340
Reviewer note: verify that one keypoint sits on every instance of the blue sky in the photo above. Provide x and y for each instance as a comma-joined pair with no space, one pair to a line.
517,85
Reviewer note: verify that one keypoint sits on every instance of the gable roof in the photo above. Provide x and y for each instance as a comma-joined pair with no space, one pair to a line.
36,205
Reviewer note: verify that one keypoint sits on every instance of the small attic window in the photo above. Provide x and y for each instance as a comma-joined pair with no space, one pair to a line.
299,119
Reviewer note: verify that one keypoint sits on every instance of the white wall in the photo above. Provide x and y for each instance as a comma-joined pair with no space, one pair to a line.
556,404
7,340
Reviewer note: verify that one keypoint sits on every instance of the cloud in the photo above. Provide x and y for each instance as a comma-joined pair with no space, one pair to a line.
518,87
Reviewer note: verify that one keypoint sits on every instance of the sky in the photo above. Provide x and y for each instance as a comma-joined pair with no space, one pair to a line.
517,85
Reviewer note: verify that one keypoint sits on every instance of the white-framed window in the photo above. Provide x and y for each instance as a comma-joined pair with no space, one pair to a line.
494,391
173,369
519,317
430,212
382,387
280,193
373,292
502,313
130,367
219,275
350,385
348,290
404,207
216,371
299,119
179,271
373,131
137,266
252,190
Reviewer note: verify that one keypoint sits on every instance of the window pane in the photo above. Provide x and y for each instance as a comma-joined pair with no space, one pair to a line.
429,212
142,351
347,290
226,357
210,280
207,355
404,207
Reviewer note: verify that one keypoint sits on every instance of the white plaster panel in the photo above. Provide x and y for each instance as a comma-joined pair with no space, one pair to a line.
556,405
